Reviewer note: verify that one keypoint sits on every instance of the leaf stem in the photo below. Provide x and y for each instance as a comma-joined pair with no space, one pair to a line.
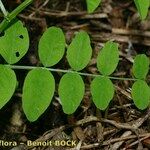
68,71
10,16
2,7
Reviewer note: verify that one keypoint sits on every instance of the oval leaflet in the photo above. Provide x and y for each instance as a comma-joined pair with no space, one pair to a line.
141,94
108,58
38,90
79,51
8,84
141,66
102,91
15,43
71,91
52,46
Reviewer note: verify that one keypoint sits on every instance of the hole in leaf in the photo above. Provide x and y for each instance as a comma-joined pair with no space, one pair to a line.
21,37
17,54
2,34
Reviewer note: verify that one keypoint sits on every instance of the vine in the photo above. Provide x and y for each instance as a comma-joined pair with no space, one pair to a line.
39,84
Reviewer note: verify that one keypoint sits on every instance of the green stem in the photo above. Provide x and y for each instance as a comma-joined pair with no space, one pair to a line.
3,9
10,16
67,71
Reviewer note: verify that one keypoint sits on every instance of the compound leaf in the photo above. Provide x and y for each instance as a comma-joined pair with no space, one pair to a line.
71,91
141,94
79,51
8,84
15,42
38,90
92,5
142,6
52,46
141,66
102,90
108,58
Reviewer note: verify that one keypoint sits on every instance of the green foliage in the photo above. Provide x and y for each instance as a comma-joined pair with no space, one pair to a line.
39,85
15,43
141,94
92,5
142,6
102,90
140,90
108,58
71,91
52,46
141,66
38,91
8,84
79,51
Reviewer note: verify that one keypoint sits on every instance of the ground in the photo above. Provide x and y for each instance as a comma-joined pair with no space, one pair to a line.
122,125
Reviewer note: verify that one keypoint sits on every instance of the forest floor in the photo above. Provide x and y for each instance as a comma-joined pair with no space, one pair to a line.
122,126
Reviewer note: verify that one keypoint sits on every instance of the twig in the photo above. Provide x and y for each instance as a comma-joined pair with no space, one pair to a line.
141,120
131,32
118,144
125,138
119,125
114,140
30,18
124,92
60,14
79,26
135,125
120,38
44,4
136,142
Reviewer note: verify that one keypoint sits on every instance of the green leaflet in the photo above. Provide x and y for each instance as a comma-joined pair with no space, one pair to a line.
141,94
79,51
15,43
38,90
52,46
142,6
108,58
8,84
141,66
71,91
102,90
92,5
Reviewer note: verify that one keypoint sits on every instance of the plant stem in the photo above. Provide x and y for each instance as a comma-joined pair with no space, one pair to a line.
67,71
10,16
3,9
